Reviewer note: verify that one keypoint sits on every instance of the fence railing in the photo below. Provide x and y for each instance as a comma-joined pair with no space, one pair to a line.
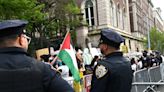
147,79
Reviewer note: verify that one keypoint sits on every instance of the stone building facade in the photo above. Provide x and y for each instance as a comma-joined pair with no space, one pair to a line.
133,19
110,14
158,21
141,19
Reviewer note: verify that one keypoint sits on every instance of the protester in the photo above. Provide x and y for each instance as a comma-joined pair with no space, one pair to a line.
79,59
133,64
145,60
113,73
153,60
86,56
158,57
45,58
18,71
139,64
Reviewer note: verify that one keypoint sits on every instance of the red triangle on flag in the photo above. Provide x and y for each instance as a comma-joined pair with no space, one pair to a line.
66,43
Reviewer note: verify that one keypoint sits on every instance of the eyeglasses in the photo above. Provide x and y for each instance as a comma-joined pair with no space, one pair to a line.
28,38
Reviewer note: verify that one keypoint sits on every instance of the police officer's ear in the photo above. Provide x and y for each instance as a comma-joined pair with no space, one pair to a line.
23,42
21,39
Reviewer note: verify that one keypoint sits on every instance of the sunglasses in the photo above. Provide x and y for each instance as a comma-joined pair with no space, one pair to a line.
28,38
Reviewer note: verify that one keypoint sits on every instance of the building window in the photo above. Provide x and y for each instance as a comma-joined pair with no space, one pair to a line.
123,18
130,45
89,13
118,15
120,23
111,13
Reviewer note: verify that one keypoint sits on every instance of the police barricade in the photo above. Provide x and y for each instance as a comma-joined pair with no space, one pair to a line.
140,76
155,77
148,80
154,73
162,70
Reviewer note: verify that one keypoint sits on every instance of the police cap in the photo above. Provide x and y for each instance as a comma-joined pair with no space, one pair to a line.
111,38
12,27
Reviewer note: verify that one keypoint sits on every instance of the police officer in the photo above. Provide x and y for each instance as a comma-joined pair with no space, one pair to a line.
18,71
146,60
113,73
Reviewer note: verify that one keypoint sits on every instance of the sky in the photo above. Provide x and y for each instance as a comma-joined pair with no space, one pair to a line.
159,3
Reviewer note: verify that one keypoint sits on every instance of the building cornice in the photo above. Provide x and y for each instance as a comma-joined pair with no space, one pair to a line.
124,34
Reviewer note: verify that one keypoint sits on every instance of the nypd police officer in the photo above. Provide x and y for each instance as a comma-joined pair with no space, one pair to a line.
18,71
113,73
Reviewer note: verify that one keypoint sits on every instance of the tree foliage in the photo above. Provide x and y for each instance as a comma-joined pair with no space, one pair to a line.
62,13
30,10
48,18
156,40
21,9
62,16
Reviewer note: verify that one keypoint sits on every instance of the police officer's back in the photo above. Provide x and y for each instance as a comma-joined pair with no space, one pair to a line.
18,71
113,73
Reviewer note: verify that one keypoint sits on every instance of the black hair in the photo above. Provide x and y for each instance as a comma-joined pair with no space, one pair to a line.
45,57
4,40
77,48
94,60
132,61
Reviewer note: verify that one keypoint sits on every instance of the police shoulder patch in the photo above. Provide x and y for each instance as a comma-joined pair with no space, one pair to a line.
100,71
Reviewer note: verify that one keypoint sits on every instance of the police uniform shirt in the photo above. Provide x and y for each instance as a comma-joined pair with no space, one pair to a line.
21,73
112,74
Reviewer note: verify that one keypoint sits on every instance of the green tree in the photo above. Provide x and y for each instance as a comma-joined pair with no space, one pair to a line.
21,9
47,18
30,10
156,40
62,16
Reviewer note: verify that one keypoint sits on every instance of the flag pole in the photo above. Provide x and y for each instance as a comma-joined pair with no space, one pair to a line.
64,40
60,48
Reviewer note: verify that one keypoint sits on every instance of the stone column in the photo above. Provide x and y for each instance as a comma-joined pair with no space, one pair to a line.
81,35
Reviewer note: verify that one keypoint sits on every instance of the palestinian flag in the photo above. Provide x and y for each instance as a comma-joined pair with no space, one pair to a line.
67,55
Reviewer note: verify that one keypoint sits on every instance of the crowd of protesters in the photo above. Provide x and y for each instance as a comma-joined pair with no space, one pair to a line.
87,62
146,60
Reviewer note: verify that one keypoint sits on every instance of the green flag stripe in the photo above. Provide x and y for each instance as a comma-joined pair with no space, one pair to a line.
66,58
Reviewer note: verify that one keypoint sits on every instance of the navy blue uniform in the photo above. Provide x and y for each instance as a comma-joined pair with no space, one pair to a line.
112,74
21,73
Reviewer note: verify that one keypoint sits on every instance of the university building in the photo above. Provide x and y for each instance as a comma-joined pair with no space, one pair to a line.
133,19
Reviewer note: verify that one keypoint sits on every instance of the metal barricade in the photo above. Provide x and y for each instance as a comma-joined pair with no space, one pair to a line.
140,76
149,80
162,71
155,76
154,73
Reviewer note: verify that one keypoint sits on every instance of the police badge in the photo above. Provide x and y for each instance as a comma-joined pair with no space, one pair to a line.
100,71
